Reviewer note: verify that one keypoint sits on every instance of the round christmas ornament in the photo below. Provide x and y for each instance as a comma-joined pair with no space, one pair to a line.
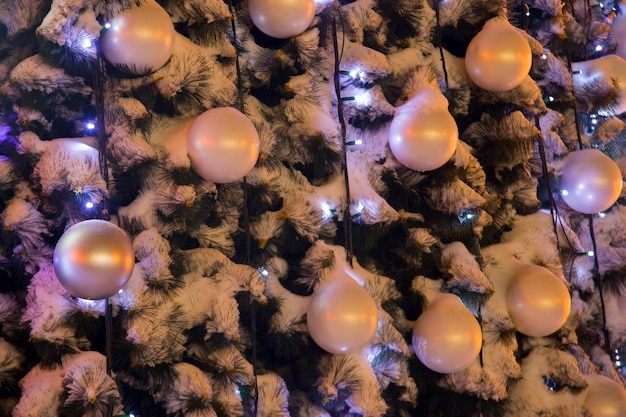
223,145
610,71
139,40
538,301
618,28
282,19
604,397
423,136
93,259
342,317
590,181
498,58
446,336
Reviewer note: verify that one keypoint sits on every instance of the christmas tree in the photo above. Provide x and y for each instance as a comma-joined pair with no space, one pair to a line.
312,208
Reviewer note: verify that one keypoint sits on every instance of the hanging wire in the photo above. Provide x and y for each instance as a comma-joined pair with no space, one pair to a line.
597,279
246,212
546,176
439,41
347,218
98,78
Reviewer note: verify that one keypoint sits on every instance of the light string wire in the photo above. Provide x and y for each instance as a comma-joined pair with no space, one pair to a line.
439,41
597,279
246,211
98,79
347,218
556,218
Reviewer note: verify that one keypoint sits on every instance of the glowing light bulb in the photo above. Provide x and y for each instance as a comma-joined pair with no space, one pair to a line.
363,99
89,204
90,125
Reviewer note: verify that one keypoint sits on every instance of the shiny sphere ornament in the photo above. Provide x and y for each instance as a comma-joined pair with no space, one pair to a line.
282,19
590,181
618,29
608,71
223,145
342,317
603,397
498,58
139,40
423,139
93,259
446,336
538,301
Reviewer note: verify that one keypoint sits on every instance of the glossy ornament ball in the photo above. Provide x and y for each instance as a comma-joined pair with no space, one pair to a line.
538,301
608,71
282,19
93,259
342,317
498,58
422,138
604,397
223,145
139,40
446,336
618,29
590,181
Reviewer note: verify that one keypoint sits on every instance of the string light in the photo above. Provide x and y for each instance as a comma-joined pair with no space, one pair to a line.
327,211
598,48
363,99
263,272
89,204
90,125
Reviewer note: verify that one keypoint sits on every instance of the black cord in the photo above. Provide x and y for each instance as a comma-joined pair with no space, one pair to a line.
439,40
597,279
347,218
568,56
246,214
98,77
546,175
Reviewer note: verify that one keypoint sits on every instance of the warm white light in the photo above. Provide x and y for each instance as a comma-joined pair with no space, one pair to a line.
263,272
363,99
326,210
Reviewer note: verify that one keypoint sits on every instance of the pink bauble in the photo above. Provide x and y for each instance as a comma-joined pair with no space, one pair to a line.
446,336
139,40
618,29
342,317
606,70
498,58
93,259
538,301
604,397
223,145
282,18
590,181
421,138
